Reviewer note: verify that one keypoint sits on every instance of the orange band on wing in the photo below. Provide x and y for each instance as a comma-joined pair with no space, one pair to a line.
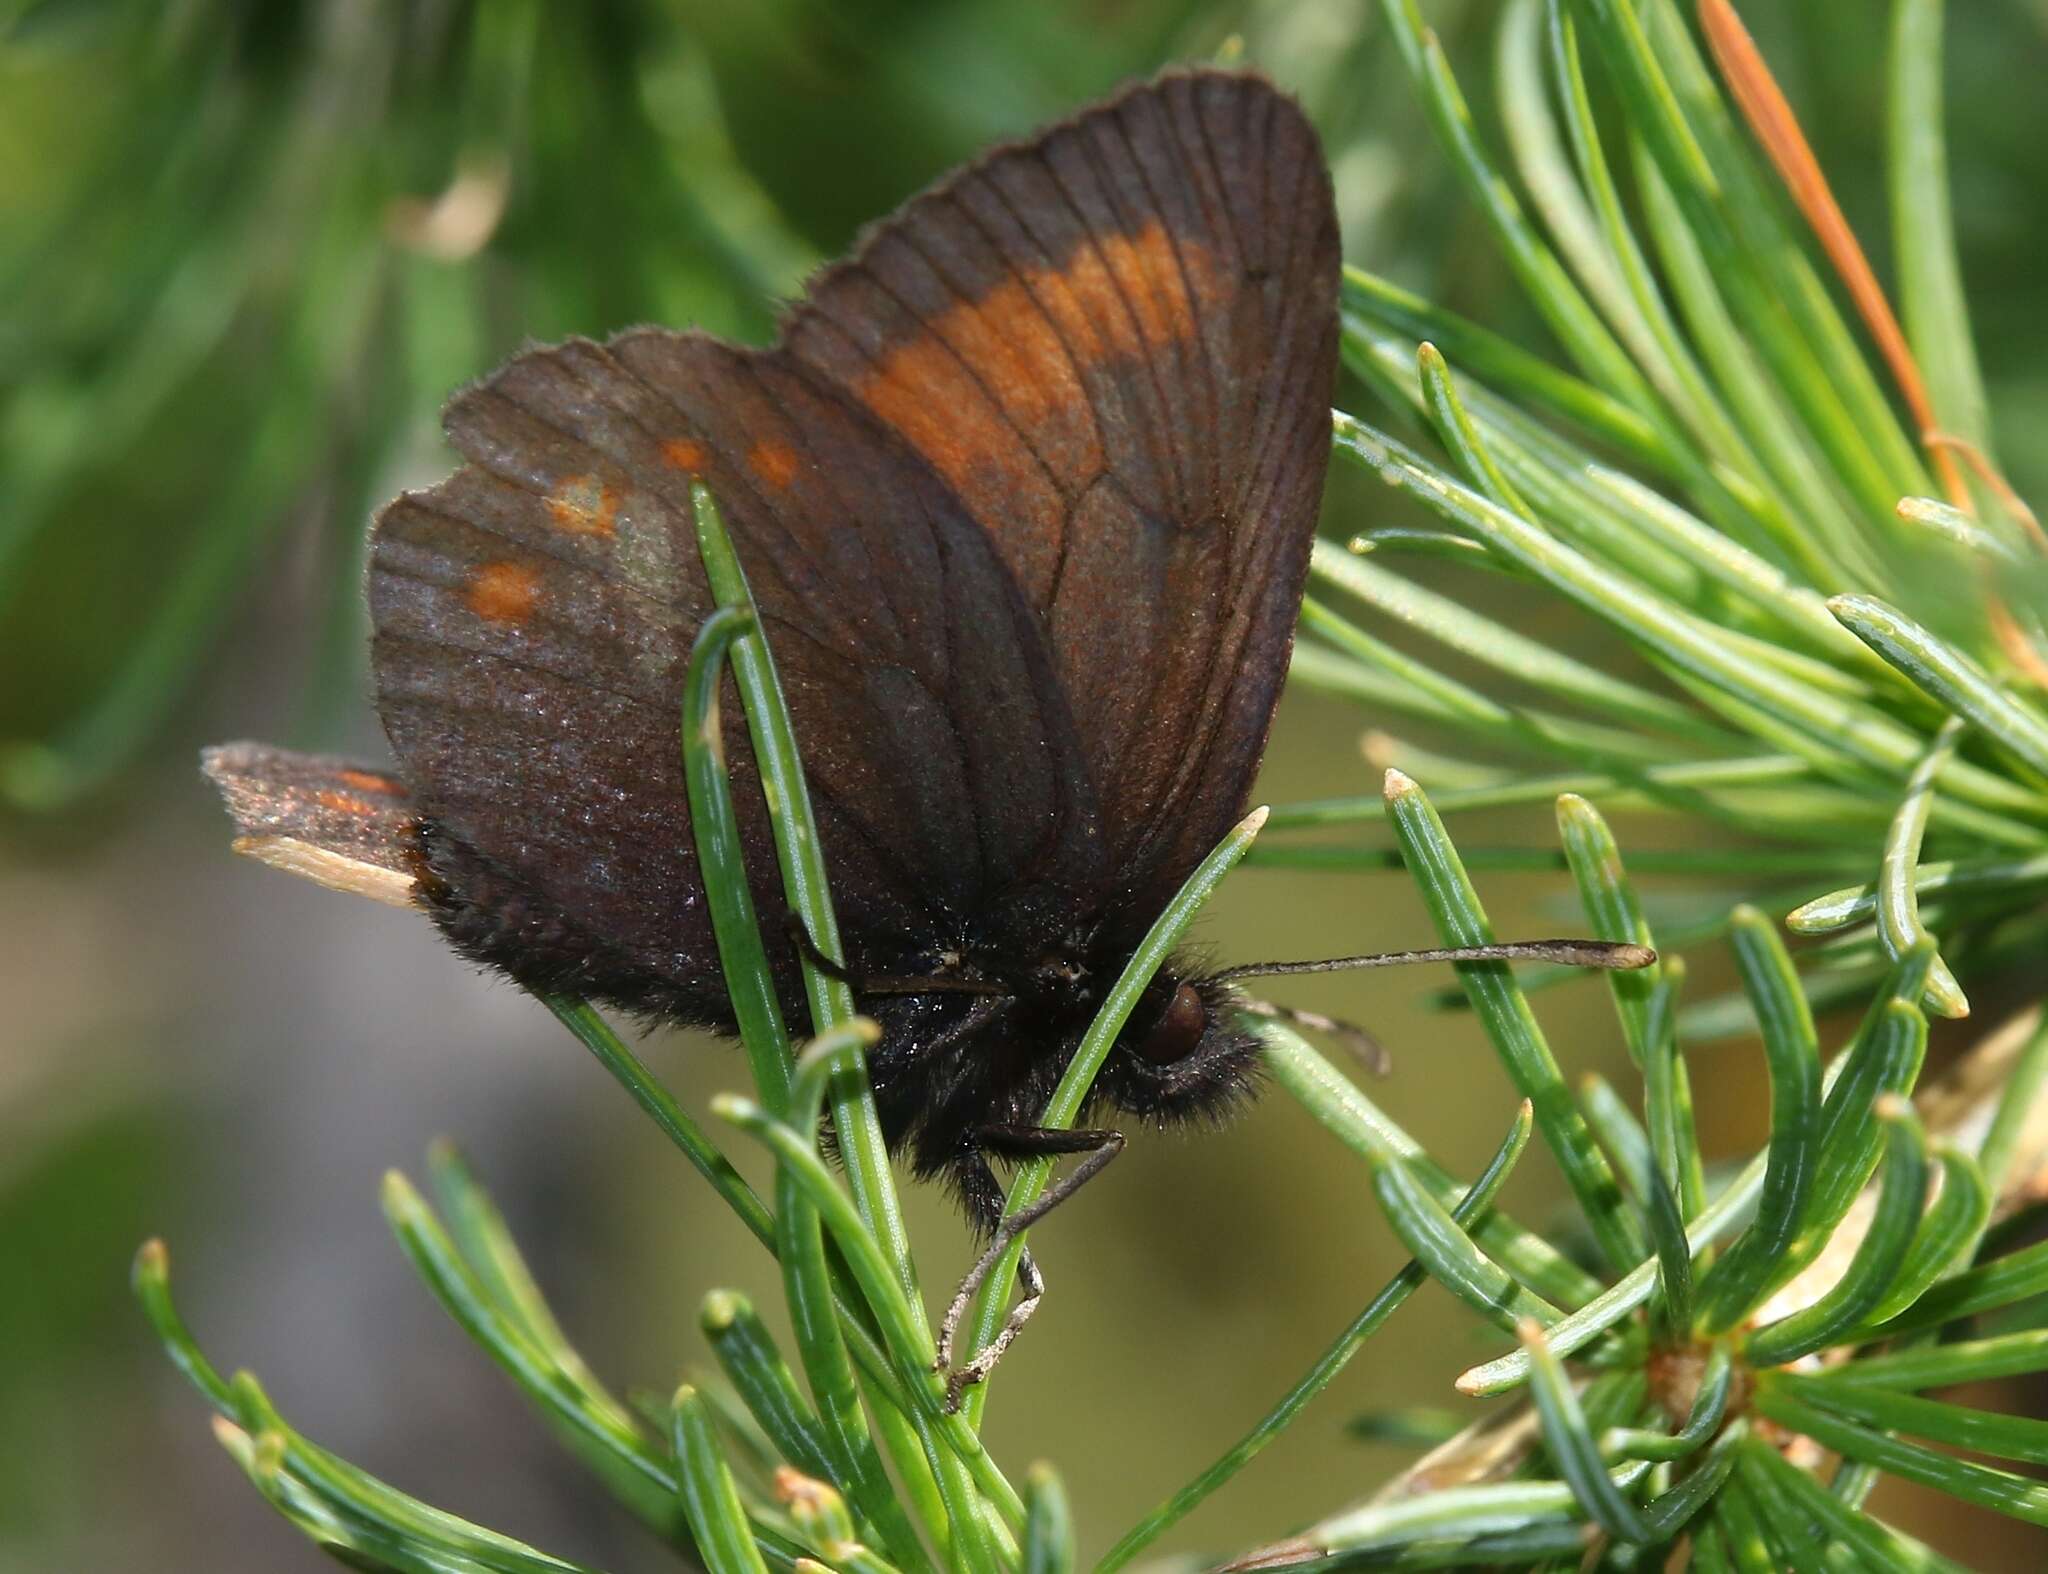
1119,297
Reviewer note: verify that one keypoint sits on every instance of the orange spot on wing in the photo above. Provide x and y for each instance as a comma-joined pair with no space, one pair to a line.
774,463
504,592
686,454
345,803
584,506
368,781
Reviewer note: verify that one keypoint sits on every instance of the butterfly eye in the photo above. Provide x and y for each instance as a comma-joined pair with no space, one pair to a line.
1178,1030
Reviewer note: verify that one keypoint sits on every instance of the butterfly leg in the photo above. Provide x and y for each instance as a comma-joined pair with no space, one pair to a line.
885,983
1016,1142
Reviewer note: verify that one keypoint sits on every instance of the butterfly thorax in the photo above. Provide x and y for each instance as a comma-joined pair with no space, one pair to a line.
952,1067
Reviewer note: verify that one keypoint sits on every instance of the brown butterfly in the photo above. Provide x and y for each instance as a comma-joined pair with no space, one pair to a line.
1025,490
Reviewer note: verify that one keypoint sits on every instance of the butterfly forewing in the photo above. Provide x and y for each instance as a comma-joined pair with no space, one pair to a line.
1117,344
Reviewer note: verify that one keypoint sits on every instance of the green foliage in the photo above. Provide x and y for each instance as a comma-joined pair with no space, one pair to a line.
1717,479
261,278
1834,684
1632,1456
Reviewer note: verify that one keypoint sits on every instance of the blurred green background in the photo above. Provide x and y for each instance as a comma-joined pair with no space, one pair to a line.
245,250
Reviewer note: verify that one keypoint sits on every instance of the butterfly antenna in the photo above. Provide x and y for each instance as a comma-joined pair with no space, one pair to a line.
1611,954
1620,955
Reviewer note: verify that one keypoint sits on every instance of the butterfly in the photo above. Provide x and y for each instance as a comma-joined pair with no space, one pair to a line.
1025,490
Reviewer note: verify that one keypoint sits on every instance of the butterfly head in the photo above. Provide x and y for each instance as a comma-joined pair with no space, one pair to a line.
1184,1052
